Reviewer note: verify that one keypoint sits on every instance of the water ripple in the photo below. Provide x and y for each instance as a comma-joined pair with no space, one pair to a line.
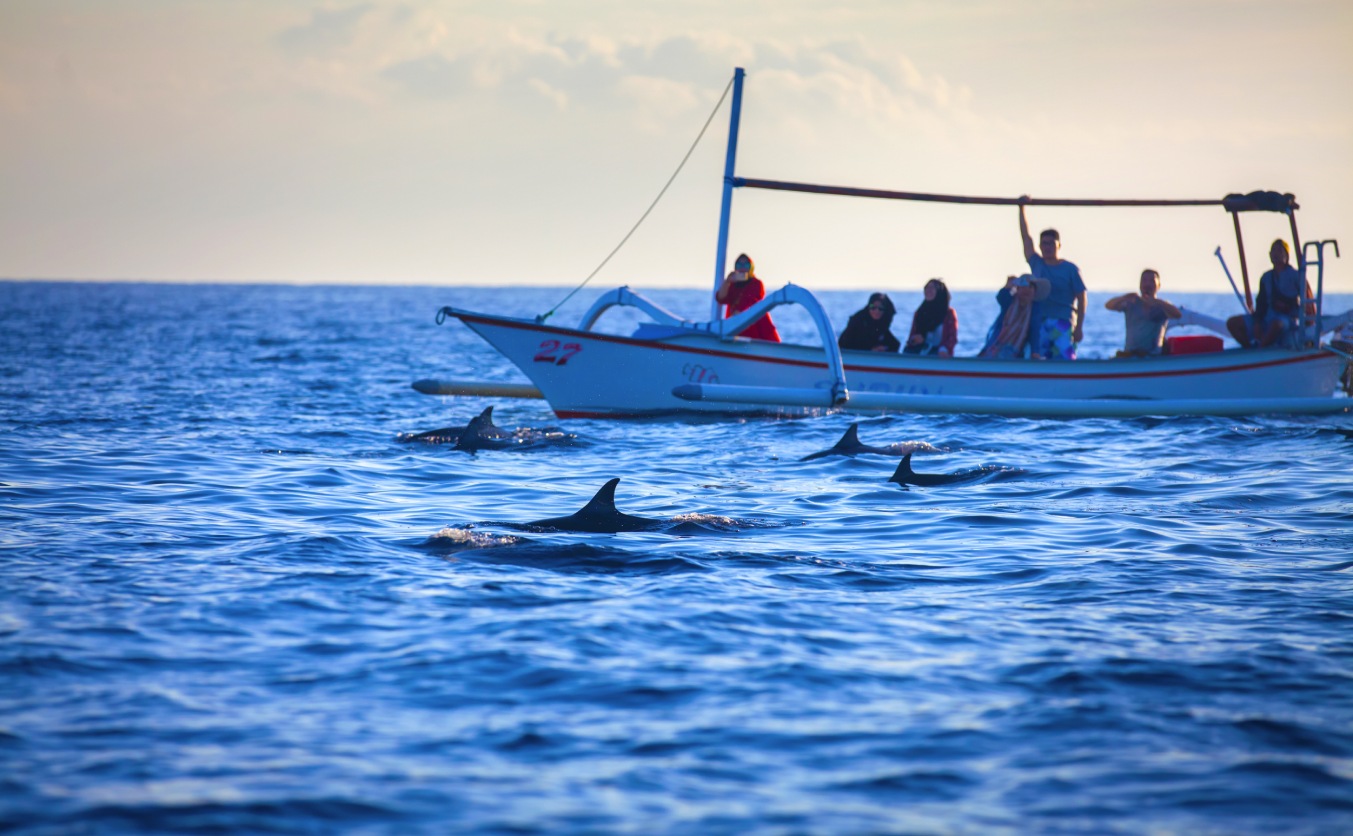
234,601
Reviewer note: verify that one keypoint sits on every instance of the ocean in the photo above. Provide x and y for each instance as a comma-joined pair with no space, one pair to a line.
233,600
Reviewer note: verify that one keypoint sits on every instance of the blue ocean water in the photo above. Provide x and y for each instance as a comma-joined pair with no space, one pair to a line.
232,601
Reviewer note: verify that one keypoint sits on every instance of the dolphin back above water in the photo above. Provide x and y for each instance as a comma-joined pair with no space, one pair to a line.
850,445
904,475
481,433
600,516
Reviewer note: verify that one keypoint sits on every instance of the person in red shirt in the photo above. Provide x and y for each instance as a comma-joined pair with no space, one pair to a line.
740,291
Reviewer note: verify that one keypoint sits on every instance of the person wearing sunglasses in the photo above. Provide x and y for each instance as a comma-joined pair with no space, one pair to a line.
869,327
739,291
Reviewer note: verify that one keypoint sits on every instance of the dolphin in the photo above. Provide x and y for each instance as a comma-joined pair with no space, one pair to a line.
468,437
850,445
600,516
442,435
481,433
904,475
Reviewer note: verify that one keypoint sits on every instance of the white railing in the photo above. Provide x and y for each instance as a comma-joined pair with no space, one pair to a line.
728,329
624,297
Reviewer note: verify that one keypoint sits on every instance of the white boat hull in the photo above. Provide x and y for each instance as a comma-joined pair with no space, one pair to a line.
585,374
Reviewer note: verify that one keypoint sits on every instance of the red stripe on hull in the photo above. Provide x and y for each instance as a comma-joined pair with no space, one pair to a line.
1071,374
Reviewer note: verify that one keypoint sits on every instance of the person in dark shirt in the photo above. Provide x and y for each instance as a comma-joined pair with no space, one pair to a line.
1275,305
868,328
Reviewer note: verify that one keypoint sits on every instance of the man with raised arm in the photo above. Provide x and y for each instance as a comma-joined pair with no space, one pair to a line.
1063,311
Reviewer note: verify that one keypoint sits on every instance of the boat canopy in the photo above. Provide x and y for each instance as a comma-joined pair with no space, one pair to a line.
1260,202
1256,201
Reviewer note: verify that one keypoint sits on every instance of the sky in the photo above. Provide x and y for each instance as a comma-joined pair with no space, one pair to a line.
516,142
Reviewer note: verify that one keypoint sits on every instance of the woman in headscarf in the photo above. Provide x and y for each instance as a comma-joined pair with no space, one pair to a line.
868,328
1019,308
740,291
934,326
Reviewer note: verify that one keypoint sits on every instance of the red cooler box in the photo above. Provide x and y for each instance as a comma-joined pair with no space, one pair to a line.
1201,344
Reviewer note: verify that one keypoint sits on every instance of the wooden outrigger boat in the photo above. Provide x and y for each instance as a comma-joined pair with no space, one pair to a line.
673,365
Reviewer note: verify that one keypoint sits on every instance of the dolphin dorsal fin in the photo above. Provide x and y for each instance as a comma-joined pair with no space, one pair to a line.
482,420
849,445
480,426
903,470
851,438
604,501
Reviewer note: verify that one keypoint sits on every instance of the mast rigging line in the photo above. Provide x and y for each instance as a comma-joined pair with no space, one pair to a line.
651,206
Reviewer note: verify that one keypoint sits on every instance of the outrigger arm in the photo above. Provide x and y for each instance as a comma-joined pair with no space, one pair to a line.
727,329
623,296
792,294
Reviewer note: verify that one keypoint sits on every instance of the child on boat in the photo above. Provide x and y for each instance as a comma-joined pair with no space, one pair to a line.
1145,317
934,326
869,328
739,291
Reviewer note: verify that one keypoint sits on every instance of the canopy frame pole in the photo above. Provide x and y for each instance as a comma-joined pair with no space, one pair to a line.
726,205
887,194
1302,319
1244,268
1296,243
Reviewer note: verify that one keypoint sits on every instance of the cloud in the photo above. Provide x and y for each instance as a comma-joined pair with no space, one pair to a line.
558,97
656,101
689,58
432,76
327,29
675,71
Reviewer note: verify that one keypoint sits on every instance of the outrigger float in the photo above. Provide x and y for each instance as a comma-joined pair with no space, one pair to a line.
672,365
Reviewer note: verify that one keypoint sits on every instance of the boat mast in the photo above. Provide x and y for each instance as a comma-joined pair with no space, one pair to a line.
726,208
